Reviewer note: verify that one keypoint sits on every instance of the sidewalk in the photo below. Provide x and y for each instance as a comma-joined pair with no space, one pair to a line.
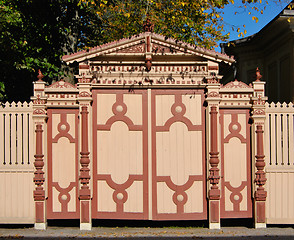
148,233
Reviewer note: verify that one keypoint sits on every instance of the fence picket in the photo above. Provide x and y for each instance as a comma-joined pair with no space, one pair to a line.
279,128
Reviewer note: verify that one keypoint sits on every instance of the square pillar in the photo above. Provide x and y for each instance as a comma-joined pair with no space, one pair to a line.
39,118
258,116
213,100
84,100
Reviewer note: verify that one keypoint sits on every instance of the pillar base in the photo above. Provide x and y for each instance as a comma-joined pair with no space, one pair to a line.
40,226
260,225
214,226
85,226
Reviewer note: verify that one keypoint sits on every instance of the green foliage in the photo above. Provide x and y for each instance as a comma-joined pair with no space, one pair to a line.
35,34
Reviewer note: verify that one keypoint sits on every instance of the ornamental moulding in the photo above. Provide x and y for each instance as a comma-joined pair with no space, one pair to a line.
39,112
258,112
213,94
237,84
84,94
61,84
140,48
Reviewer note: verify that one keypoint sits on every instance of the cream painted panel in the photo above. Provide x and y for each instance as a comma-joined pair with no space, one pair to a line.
179,153
242,120
228,204
135,198
55,122
134,107
13,139
193,105
280,189
227,121
105,199
165,202
163,108
19,140
271,189
70,118
119,152
290,189
63,162
235,167
243,203
17,203
71,207
56,205
2,140
104,107
195,198
279,195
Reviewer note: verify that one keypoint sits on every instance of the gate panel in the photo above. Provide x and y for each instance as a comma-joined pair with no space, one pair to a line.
63,162
178,155
120,142
236,201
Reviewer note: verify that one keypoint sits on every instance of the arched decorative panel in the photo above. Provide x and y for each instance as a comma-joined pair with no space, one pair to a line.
63,164
178,155
236,201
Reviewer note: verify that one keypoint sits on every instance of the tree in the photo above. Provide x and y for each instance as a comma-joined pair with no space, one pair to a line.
35,34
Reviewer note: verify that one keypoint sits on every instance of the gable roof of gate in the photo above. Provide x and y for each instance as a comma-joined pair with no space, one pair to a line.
144,44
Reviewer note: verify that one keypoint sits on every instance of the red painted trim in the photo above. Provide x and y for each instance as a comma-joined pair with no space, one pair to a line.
120,188
64,214
39,208
214,212
260,179
260,212
148,43
85,211
84,66
236,191
214,192
177,117
84,192
39,193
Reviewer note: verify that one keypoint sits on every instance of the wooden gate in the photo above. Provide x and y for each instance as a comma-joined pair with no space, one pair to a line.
178,155
236,200
120,154
149,154
63,164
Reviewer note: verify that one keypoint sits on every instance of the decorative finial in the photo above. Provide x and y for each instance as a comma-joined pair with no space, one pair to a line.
147,25
258,75
40,76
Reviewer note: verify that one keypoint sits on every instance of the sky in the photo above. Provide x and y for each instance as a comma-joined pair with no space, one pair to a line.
243,18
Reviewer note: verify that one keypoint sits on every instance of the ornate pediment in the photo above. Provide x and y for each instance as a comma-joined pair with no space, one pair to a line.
236,84
61,85
146,45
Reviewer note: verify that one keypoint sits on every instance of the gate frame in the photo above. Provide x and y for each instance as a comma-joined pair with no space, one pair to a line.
232,95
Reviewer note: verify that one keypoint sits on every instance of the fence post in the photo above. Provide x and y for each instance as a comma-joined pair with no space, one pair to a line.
258,116
39,118
85,99
213,100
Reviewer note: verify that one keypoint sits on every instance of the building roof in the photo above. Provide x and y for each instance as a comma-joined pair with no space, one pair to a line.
284,16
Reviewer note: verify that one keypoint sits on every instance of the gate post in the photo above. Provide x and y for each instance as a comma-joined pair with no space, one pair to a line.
258,116
39,119
84,100
213,100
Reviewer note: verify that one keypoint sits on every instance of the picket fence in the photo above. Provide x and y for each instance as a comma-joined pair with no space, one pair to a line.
17,158
279,157
16,163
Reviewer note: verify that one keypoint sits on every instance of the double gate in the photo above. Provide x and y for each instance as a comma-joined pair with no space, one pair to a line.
148,157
